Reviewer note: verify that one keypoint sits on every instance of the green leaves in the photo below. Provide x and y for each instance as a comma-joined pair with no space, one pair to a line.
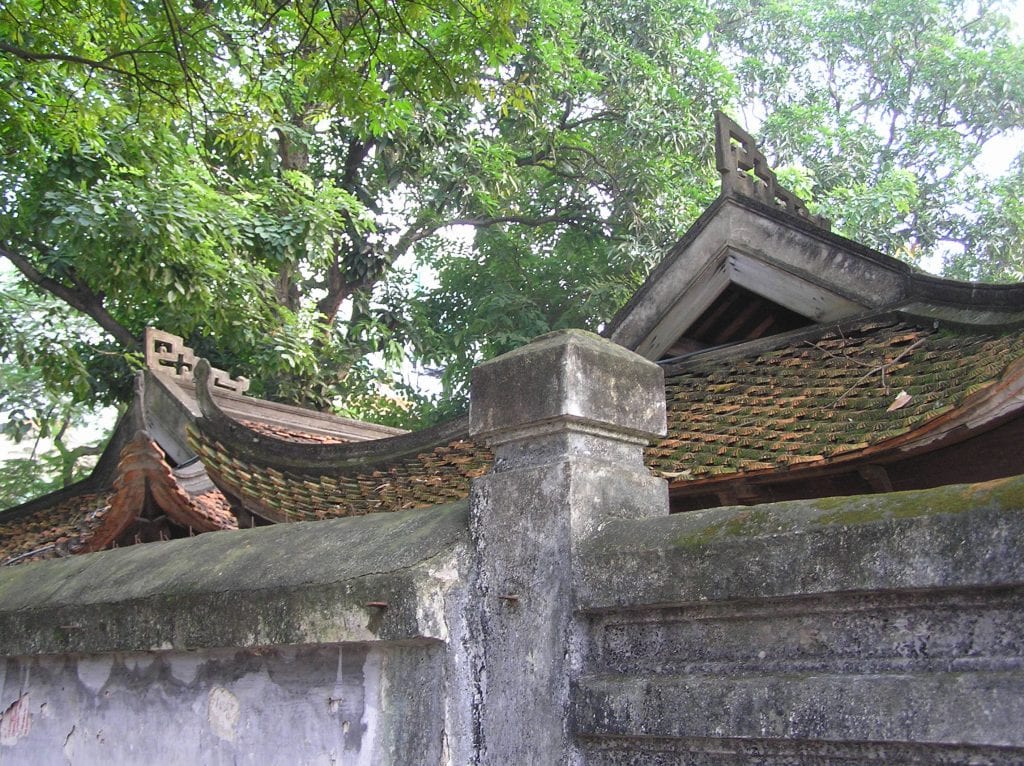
317,195
992,250
888,104
47,389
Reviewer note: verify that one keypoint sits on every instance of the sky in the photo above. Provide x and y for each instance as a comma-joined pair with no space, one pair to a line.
997,154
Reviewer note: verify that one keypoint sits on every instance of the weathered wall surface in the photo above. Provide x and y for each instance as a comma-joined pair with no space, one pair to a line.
567,417
559,617
345,704
303,583
881,629
301,643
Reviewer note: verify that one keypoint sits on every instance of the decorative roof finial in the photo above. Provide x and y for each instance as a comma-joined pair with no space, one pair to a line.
745,171
168,354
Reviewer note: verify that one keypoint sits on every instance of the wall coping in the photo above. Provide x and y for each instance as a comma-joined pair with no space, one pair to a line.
968,535
366,578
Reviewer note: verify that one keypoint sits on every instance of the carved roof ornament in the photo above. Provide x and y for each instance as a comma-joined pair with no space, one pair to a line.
168,354
745,171
145,491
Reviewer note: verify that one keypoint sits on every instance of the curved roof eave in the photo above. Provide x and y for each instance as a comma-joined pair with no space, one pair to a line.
280,453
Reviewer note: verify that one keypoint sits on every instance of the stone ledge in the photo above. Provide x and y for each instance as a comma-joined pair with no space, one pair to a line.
913,631
296,583
947,708
746,751
955,536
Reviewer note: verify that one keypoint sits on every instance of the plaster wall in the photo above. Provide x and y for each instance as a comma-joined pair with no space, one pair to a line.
558,617
312,643
343,704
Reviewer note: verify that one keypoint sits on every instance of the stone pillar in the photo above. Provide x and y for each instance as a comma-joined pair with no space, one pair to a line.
567,416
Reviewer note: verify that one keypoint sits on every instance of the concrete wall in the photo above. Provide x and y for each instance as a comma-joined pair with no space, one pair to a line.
559,617
882,629
303,643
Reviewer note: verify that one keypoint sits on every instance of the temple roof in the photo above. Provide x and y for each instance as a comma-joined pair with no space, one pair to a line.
149,484
888,385
756,264
865,393
797,364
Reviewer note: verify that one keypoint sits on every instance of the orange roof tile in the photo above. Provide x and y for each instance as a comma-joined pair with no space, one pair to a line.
92,521
143,473
59,530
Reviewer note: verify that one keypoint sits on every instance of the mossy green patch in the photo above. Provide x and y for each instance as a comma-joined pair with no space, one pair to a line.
697,539
747,523
780,518
741,523
1004,494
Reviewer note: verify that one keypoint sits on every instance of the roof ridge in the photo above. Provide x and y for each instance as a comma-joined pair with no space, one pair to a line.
217,425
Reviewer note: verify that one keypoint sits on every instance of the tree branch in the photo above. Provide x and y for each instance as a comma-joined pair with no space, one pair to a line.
355,155
522,220
69,457
143,81
422,230
338,289
67,58
882,369
604,114
70,58
81,297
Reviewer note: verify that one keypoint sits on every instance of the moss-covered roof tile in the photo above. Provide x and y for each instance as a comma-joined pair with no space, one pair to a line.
838,388
803,403
729,413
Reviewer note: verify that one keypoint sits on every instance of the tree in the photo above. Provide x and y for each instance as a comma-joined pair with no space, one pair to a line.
164,164
875,110
993,248
887,106
272,180
614,161
37,416
246,175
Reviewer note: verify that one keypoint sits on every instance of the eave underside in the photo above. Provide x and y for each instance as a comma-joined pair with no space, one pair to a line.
990,454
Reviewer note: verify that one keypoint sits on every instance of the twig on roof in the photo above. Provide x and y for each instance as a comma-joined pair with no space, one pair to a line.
844,357
882,369
16,559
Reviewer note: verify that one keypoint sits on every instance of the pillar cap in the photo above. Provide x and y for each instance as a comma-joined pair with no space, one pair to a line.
568,376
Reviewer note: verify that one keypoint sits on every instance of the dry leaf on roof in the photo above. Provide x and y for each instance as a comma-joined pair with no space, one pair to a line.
902,400
676,474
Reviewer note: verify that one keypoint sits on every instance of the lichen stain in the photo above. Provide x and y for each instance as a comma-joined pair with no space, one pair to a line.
746,523
15,721
223,712
1006,495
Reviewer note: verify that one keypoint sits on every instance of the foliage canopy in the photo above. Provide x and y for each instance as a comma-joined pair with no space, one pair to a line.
314,192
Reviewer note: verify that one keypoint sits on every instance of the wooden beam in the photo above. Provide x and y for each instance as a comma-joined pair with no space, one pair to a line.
877,477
